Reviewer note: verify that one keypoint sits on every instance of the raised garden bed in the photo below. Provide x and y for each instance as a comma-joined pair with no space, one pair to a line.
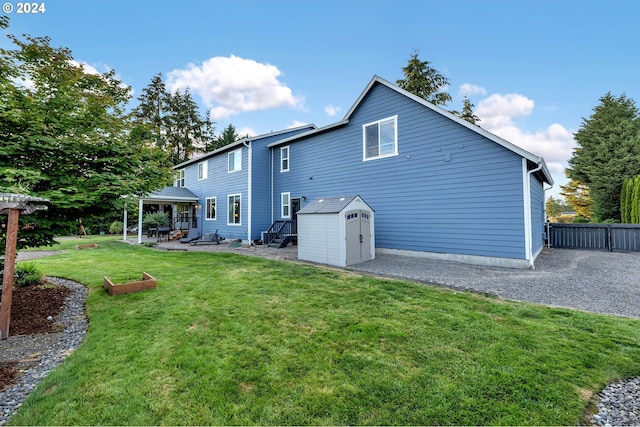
147,282
88,246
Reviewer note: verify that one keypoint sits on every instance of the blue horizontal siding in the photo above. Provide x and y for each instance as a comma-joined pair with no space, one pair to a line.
220,184
472,204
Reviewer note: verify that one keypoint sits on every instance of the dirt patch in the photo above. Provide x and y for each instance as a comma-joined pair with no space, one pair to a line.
33,310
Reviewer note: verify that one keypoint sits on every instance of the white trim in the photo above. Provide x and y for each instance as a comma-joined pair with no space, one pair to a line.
239,213
249,184
180,176
526,195
235,153
282,158
206,208
395,138
282,204
205,170
140,206
488,261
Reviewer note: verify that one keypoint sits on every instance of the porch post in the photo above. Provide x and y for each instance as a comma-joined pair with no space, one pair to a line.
140,221
124,229
9,265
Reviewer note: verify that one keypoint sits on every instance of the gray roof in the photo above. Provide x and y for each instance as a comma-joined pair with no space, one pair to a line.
328,205
171,194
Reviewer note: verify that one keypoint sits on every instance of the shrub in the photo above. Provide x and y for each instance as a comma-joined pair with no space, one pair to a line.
580,220
27,274
116,227
154,220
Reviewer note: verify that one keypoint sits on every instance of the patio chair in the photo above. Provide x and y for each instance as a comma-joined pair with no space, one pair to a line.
208,239
194,234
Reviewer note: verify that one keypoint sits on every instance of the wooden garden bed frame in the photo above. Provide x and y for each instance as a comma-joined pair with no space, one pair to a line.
147,282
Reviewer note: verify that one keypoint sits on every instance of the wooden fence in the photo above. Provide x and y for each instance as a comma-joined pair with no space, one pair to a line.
609,237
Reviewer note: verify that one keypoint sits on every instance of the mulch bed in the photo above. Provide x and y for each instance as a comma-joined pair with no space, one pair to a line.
30,307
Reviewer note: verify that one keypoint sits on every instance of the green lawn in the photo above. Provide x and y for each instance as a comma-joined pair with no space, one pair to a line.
229,339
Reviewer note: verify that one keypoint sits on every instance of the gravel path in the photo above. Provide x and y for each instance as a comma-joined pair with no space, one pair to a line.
602,282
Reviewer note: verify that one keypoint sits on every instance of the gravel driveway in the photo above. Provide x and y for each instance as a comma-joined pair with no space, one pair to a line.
603,282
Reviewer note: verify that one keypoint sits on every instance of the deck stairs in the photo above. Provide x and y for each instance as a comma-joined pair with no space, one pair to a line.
281,233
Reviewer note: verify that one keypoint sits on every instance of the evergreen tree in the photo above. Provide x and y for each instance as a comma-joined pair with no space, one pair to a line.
228,136
467,112
608,152
422,80
173,121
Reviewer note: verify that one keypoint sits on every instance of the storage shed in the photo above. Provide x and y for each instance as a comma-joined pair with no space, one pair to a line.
336,231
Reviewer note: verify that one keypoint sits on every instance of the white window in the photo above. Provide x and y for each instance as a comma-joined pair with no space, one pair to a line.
210,209
235,160
202,170
234,209
284,159
286,204
179,180
380,139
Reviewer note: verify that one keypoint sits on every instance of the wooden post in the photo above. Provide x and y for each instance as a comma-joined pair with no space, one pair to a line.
9,268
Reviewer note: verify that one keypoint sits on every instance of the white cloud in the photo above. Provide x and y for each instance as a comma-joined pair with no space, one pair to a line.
296,124
468,89
234,85
244,131
555,143
331,110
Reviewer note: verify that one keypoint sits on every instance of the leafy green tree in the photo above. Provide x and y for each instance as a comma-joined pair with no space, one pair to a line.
608,152
173,121
555,207
577,196
65,136
634,208
422,80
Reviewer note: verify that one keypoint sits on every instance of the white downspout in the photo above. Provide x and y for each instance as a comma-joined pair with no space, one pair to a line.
249,182
527,209
271,179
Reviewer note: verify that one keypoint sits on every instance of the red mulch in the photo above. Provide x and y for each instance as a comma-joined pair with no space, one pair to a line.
30,307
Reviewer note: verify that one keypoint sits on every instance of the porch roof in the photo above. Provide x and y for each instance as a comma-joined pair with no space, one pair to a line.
170,195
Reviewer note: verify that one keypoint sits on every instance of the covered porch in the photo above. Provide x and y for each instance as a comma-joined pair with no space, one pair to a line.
181,206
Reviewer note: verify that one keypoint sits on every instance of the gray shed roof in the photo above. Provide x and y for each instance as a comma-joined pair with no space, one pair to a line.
171,194
327,205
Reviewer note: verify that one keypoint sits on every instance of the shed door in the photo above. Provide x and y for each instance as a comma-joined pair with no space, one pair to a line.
358,236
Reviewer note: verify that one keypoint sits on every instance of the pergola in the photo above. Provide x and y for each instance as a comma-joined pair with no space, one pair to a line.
12,205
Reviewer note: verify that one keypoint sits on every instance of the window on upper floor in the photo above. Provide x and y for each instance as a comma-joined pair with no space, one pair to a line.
202,170
179,178
210,207
284,159
235,160
380,139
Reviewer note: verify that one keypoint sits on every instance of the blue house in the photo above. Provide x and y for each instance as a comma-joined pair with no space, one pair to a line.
441,187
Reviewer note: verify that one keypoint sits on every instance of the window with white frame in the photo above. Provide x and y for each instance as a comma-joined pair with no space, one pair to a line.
284,159
235,160
202,170
286,204
234,209
380,139
210,208
179,179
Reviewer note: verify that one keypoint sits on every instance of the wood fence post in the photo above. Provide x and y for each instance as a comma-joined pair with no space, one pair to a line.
9,269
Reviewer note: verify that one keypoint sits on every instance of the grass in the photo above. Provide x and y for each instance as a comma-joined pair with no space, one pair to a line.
234,340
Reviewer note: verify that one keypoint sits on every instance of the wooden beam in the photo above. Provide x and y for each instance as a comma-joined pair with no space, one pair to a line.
9,269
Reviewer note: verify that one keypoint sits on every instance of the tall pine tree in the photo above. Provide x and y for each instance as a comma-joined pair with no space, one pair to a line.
422,80
608,152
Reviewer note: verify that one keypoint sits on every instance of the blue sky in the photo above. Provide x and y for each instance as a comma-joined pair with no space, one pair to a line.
533,69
